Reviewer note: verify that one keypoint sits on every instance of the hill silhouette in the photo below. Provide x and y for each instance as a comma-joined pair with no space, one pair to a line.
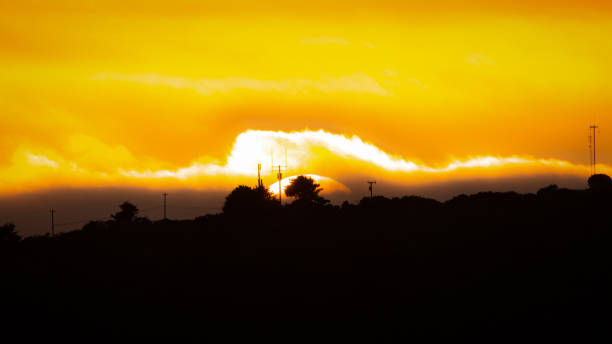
495,266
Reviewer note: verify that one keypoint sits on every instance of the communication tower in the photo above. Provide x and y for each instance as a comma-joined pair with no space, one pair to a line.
593,148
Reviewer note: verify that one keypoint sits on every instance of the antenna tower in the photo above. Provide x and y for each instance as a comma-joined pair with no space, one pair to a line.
259,181
280,170
590,153
593,148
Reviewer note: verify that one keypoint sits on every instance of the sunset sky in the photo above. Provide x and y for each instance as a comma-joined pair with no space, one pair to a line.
194,94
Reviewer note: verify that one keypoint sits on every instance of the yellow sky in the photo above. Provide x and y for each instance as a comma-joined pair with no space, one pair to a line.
109,93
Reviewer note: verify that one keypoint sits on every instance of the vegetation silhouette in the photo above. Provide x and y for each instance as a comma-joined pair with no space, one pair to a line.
8,233
127,214
600,182
247,200
306,191
493,265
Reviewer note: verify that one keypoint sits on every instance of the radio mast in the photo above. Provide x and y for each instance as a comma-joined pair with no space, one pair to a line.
280,170
593,148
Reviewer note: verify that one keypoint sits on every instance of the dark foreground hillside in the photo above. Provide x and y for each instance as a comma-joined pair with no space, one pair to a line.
490,266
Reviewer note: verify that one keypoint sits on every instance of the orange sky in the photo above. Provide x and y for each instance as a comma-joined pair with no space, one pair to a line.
161,93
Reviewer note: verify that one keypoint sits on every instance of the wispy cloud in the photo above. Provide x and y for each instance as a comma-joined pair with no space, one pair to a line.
40,160
353,83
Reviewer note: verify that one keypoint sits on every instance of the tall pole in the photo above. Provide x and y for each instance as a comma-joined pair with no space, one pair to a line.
594,149
259,182
280,179
371,187
594,128
590,153
52,222
165,196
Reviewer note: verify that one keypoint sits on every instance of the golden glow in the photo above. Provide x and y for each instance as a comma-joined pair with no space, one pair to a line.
326,184
196,93
100,164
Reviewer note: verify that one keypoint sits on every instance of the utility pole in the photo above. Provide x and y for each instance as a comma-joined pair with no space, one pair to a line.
165,196
594,157
371,187
52,222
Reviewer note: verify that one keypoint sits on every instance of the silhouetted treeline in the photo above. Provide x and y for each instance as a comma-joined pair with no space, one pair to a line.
493,266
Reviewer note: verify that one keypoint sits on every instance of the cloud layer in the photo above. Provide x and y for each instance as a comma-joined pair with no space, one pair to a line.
305,152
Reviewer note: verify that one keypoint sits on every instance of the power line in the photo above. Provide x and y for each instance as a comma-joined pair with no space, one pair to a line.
82,221
72,223
150,208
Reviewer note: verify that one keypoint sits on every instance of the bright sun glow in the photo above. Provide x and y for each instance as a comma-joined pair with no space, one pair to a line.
333,155
265,147
327,184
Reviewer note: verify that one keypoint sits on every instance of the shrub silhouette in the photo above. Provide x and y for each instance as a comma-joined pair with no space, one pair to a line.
551,189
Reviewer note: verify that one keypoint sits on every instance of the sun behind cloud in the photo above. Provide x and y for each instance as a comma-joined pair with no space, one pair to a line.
335,158
328,185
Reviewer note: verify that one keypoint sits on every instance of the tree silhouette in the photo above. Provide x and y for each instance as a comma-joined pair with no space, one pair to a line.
600,182
306,190
246,199
127,214
303,187
8,233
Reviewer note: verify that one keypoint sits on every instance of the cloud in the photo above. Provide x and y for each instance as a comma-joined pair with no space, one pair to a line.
353,83
332,155
40,160
253,147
